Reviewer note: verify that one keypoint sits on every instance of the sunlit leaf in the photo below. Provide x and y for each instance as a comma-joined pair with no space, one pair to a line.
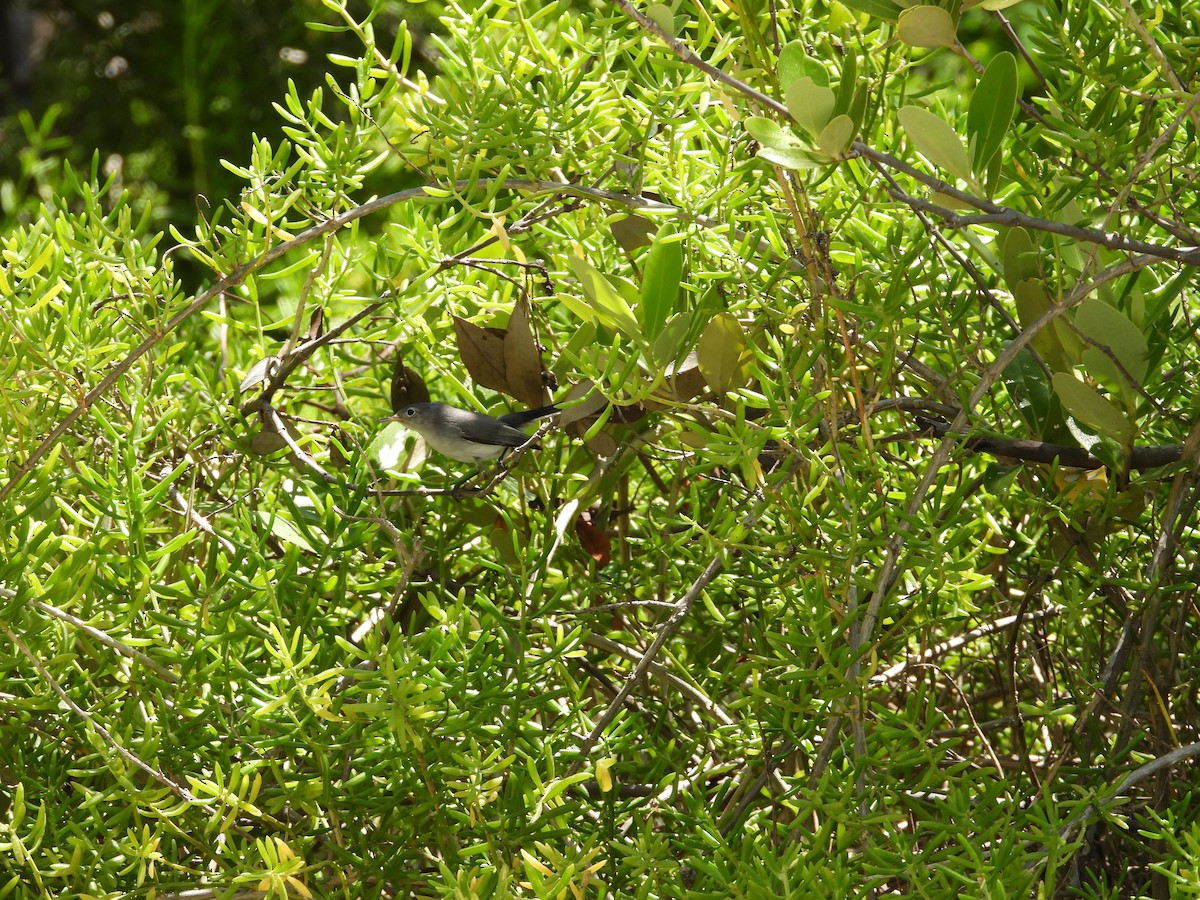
1091,408
836,136
1018,257
926,26
880,9
935,140
770,134
1109,327
660,280
793,159
661,15
1033,300
794,63
720,352
609,306
991,111
809,104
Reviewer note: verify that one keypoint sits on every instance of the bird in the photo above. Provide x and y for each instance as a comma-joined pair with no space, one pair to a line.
469,436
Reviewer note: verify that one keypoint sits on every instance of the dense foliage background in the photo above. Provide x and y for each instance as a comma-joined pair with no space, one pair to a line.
861,562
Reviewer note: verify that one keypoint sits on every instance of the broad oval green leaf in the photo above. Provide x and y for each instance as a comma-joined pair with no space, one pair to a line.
810,104
660,280
836,136
880,9
1019,258
794,63
671,341
992,108
608,306
770,134
720,352
792,158
1100,367
633,232
1091,408
926,26
1108,327
661,15
935,140
1032,302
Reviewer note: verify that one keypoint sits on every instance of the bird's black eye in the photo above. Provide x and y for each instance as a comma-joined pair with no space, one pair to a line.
410,412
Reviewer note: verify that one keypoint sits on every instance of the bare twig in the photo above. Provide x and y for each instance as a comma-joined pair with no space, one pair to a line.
133,759
99,636
994,214
682,607
957,642
1165,762
686,688
1044,452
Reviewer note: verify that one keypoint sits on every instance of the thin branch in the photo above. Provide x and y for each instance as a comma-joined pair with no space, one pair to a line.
292,359
1160,58
175,787
995,214
958,642
99,636
1044,452
190,512
686,688
681,50
682,607
1165,762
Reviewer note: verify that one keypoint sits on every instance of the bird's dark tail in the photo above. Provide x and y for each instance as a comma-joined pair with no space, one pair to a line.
518,419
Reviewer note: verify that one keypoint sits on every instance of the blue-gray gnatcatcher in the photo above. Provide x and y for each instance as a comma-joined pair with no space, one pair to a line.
465,435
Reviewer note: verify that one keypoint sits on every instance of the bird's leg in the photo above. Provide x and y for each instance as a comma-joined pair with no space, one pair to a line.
458,489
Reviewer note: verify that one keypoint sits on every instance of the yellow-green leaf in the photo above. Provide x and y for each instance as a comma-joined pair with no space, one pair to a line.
720,351
1092,408
1108,327
836,136
926,26
935,140
1019,258
769,134
608,305
810,104
661,15
1032,302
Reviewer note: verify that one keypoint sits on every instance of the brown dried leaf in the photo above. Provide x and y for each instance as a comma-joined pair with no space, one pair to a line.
596,542
523,359
482,352
316,324
407,387
633,232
